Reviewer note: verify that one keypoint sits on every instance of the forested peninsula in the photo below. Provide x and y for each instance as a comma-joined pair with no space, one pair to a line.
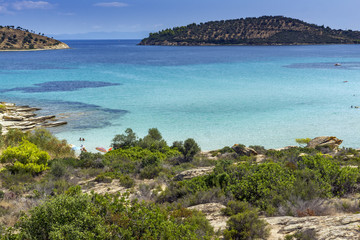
266,30
18,38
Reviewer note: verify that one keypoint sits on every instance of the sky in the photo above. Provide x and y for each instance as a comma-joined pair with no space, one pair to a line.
135,19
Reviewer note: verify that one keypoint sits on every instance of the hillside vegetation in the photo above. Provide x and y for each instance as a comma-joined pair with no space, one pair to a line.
266,30
142,189
12,38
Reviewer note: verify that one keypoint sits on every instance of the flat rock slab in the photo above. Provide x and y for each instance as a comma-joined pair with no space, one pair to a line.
24,118
341,227
189,174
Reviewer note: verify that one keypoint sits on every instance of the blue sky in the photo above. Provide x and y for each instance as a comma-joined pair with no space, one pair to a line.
136,18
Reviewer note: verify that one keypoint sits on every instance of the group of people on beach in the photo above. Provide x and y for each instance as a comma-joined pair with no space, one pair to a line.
82,147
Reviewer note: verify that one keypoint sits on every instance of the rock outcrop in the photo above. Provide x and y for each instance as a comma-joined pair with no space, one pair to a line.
189,174
242,150
325,144
213,213
24,118
341,227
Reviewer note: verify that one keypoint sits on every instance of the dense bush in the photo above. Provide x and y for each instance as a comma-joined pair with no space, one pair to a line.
271,184
244,222
129,139
189,148
78,216
90,160
49,143
25,158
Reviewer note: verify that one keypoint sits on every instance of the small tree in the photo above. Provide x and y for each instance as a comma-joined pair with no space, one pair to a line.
190,149
129,139
153,141
302,141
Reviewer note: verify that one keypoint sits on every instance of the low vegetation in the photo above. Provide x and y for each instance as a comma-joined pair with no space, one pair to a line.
49,193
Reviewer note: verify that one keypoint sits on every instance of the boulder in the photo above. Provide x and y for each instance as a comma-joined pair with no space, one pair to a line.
331,143
242,150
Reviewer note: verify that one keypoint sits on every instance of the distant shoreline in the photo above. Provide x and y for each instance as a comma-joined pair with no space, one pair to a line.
30,50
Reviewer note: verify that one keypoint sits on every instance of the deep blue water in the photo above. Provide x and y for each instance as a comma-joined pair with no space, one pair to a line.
219,95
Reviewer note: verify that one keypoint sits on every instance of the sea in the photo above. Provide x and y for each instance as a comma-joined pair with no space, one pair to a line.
218,95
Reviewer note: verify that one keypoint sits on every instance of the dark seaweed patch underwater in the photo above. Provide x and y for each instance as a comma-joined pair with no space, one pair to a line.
60,86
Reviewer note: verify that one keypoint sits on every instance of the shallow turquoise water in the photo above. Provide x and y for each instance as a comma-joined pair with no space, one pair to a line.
217,95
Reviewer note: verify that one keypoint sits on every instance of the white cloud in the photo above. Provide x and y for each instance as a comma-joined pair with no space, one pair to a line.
31,5
111,4
4,8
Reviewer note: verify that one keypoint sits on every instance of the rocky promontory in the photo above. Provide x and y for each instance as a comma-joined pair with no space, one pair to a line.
12,39
266,30
24,118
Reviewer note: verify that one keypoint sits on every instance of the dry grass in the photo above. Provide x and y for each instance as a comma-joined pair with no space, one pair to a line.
320,207
11,210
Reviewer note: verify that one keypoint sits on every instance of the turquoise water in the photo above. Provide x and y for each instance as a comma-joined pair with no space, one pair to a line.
264,95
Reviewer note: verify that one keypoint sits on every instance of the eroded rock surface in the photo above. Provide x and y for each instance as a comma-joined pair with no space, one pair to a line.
188,174
323,143
341,227
213,213
241,150
24,118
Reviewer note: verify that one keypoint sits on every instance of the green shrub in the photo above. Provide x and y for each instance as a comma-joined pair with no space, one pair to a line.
309,184
150,171
342,180
14,136
153,141
25,158
246,225
49,143
2,108
79,216
265,185
90,160
126,181
129,139
226,150
63,217
103,178
258,149
302,141
58,169
235,207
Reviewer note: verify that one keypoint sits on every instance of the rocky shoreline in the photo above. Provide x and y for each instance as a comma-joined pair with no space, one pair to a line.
24,118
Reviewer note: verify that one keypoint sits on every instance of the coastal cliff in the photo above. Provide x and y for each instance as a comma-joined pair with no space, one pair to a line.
266,30
22,39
